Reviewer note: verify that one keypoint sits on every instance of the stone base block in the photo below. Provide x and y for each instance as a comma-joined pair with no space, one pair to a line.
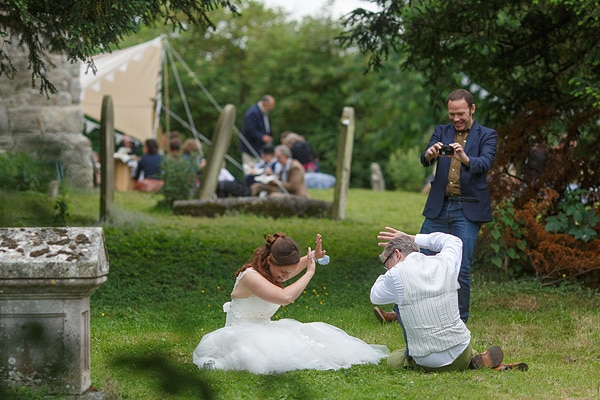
45,344
273,206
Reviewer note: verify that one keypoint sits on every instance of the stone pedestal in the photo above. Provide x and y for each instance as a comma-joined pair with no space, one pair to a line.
46,278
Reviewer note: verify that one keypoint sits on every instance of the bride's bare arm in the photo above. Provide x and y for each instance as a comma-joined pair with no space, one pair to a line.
255,284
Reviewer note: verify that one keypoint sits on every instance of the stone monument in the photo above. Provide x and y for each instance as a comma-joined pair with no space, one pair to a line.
377,180
48,127
46,278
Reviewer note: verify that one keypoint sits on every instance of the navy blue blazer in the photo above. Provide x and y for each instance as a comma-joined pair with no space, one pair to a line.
253,129
481,150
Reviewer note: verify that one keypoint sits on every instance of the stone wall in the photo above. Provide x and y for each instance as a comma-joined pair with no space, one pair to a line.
49,127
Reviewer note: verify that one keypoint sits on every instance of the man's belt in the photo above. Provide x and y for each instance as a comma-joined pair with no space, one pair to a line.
461,199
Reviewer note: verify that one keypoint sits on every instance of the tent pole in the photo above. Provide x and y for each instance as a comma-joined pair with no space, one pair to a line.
166,92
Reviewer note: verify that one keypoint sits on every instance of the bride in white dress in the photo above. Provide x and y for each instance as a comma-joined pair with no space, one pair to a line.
250,341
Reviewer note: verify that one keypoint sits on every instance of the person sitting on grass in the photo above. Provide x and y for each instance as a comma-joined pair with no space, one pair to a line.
251,341
425,289
289,180
268,166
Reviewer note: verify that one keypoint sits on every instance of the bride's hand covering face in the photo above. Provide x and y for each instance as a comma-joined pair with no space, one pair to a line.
277,262
310,262
319,252
282,273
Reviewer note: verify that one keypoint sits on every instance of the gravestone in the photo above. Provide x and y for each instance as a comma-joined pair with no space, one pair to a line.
220,143
377,181
46,278
344,162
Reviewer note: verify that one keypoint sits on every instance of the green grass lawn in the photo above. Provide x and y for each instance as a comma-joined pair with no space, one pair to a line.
170,275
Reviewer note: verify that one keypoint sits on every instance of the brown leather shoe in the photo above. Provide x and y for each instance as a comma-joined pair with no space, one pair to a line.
491,358
384,316
516,366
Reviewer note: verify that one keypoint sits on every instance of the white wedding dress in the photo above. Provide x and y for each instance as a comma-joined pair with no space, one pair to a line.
250,341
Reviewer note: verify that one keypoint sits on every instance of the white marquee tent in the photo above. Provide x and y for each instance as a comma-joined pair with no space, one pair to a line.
132,77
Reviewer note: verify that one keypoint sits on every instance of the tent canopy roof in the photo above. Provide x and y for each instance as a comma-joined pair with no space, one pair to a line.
132,77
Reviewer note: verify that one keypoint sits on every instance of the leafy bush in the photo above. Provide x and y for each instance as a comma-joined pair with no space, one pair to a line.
179,176
502,244
405,170
574,217
21,172
555,257
555,249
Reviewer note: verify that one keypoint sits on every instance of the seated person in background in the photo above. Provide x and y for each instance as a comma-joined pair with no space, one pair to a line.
174,148
304,153
166,139
267,166
127,146
301,150
228,186
191,149
191,152
127,151
319,180
148,172
289,180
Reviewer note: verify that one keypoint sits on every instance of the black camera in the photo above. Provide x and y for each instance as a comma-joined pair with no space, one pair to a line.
446,150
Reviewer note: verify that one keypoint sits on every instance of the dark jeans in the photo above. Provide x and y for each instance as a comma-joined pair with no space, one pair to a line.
232,189
452,220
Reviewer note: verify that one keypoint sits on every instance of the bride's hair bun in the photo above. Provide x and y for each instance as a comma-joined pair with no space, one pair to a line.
283,249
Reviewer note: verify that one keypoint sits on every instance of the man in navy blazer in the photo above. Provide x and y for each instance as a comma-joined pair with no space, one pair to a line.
459,200
256,130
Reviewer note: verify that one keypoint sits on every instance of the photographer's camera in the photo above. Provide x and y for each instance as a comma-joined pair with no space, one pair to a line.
446,150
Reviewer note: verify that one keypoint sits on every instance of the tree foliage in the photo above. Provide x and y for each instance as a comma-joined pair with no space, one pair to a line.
534,66
81,29
249,50
312,79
